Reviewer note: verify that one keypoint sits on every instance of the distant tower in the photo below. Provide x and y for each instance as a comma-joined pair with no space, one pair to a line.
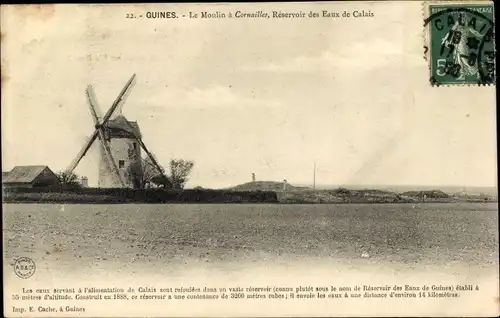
85,182
253,177
284,185
314,176
124,148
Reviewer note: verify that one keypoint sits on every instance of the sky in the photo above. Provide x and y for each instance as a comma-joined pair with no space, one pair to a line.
243,96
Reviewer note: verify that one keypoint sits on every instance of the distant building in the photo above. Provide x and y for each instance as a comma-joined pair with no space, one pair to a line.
253,177
30,177
85,182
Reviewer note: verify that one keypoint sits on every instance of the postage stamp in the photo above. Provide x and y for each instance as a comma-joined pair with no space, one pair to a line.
24,267
460,43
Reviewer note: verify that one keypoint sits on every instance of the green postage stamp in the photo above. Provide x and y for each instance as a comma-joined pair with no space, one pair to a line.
460,43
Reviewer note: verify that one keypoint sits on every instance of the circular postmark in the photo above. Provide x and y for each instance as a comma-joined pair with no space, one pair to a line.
24,267
461,44
486,59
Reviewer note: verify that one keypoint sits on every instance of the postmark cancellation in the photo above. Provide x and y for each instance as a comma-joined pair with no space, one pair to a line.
459,43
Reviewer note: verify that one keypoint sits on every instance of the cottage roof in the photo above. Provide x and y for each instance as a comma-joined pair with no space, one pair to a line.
22,174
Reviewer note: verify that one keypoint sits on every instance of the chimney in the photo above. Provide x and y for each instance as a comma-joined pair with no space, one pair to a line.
284,185
253,177
85,182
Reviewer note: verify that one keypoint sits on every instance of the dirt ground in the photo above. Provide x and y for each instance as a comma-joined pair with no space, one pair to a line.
83,237
215,246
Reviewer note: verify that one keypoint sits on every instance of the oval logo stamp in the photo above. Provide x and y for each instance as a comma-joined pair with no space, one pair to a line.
460,43
24,267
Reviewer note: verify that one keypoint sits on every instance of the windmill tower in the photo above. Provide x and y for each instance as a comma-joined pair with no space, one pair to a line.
121,138
120,143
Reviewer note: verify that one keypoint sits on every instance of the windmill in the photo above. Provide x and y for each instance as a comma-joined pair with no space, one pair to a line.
120,142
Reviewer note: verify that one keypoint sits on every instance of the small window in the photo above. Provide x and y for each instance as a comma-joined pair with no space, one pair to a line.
135,146
121,163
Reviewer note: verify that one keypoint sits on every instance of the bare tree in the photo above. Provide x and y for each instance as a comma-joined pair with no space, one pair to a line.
179,172
69,180
154,177
135,174
144,174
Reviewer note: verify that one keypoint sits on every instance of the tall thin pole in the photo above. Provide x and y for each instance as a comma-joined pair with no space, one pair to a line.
314,177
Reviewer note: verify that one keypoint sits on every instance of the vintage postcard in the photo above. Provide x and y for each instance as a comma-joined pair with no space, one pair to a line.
250,159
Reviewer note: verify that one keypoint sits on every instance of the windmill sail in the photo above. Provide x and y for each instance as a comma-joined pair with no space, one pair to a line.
105,119
111,163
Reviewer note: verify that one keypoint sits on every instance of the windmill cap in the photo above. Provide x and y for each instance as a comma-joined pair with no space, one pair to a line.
121,123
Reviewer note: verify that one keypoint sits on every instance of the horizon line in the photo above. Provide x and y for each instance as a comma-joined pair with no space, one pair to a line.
380,185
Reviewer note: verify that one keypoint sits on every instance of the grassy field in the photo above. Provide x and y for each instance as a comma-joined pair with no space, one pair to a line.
81,237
